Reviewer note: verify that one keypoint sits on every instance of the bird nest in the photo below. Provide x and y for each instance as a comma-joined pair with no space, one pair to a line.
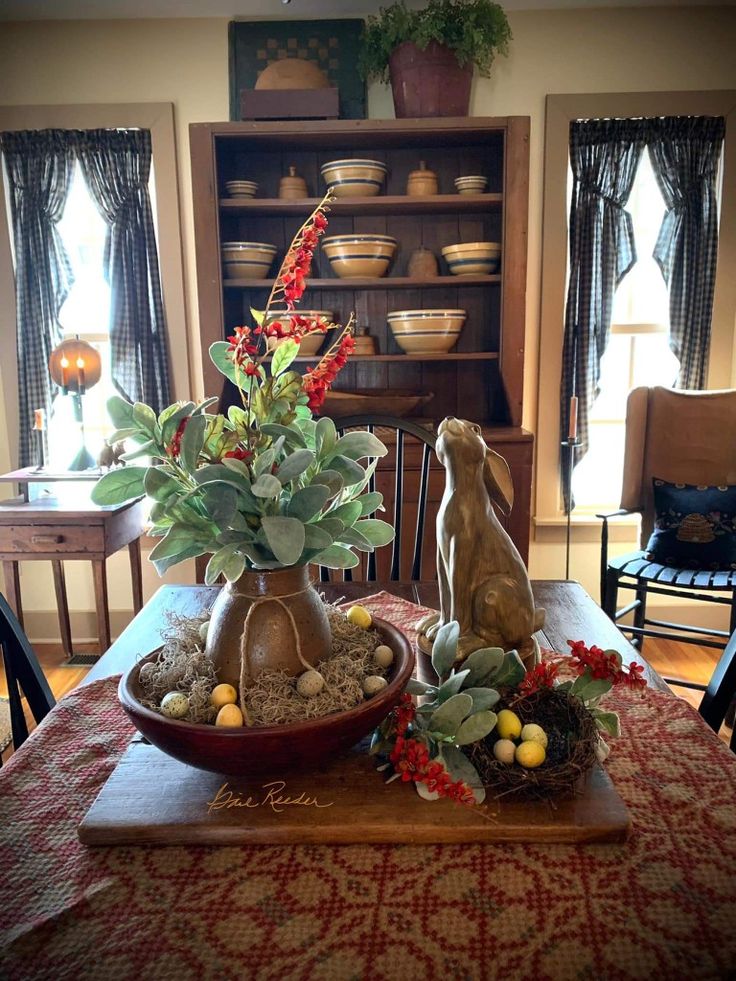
571,750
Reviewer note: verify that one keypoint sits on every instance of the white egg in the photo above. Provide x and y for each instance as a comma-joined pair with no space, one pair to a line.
310,684
203,628
373,684
383,656
504,750
175,705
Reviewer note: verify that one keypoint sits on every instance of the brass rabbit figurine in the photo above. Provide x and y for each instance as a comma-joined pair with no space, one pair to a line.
483,582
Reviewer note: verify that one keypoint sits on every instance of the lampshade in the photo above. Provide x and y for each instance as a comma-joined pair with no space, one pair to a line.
75,365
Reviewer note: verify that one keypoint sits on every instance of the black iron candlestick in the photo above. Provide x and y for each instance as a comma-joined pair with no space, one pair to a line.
570,444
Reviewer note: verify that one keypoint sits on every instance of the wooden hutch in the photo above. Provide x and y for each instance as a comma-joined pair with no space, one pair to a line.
482,377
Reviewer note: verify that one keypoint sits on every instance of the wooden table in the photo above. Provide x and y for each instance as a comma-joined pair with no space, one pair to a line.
55,530
571,615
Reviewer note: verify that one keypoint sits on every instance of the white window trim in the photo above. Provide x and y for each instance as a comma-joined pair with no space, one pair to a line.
560,111
158,117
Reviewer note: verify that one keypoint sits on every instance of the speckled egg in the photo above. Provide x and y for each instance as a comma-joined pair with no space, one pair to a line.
383,656
175,705
310,684
373,684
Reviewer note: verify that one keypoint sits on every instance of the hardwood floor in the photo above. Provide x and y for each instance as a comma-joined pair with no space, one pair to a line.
670,658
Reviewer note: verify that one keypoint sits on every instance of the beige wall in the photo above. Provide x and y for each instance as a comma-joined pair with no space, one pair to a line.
185,62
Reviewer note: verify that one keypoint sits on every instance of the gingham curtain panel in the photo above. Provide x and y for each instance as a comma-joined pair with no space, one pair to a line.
604,156
116,166
685,153
39,165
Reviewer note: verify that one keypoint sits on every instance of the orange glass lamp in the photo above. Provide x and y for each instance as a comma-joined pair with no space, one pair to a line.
75,366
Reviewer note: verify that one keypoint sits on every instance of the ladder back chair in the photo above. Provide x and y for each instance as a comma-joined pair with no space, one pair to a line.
720,691
683,438
23,675
400,435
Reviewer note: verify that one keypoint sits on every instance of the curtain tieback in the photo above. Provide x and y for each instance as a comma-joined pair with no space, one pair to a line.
595,191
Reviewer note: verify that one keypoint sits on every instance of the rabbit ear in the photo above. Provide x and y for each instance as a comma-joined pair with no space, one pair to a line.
497,478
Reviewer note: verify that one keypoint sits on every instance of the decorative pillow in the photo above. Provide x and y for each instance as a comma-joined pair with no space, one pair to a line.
694,526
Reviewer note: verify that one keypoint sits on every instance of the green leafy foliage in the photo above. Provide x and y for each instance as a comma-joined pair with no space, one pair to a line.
474,29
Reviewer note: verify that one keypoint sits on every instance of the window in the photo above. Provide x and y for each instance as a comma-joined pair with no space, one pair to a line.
638,351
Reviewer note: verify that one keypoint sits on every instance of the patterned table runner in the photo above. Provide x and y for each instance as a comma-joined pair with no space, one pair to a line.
663,904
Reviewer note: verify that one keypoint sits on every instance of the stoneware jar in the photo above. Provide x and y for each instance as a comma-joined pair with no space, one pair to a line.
422,182
422,264
278,595
293,187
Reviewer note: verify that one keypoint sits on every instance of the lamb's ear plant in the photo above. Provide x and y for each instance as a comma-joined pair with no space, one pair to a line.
454,711
265,486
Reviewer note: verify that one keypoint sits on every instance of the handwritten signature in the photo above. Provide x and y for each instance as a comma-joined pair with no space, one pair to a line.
273,796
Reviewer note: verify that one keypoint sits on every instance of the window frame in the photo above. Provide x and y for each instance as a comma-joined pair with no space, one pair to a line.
158,117
560,111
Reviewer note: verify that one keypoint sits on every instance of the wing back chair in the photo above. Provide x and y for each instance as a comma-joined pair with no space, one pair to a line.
683,438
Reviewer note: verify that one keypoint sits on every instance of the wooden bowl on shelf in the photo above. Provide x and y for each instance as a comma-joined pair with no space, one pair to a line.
359,256
397,402
272,749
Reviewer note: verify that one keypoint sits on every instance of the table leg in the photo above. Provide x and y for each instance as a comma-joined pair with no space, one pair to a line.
62,606
136,574
101,603
12,588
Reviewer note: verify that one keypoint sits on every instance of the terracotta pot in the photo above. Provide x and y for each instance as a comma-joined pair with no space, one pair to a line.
271,641
429,82
271,749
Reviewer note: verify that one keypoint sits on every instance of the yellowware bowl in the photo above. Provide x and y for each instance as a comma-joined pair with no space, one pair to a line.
241,189
354,178
247,260
310,343
359,256
426,331
473,258
475,184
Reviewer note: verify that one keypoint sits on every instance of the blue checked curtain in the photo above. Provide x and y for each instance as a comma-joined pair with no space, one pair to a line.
39,165
685,153
116,166
604,156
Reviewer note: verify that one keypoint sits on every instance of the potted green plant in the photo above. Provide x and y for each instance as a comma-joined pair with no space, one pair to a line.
429,54
265,490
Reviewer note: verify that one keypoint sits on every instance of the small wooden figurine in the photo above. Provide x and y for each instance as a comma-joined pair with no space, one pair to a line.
483,582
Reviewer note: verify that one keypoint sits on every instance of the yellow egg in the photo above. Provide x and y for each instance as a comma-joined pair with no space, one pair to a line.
360,617
504,750
534,733
223,695
530,754
229,715
508,724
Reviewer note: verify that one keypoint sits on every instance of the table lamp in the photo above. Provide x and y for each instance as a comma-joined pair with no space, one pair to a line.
75,366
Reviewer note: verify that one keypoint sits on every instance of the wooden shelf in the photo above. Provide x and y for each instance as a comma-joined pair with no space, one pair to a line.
452,356
395,204
382,283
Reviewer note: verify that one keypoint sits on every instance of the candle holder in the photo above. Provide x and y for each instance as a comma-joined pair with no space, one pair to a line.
570,444
76,367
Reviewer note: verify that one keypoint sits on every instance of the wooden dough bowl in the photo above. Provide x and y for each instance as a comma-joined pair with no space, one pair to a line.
258,749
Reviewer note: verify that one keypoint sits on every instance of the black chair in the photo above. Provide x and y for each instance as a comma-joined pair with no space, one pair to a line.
402,428
23,675
720,691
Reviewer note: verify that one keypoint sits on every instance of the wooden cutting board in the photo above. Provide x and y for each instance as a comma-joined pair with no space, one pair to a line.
152,799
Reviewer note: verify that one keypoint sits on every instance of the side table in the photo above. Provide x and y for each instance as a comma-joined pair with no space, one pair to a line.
58,529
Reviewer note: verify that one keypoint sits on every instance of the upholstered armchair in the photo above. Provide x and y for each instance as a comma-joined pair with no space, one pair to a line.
682,438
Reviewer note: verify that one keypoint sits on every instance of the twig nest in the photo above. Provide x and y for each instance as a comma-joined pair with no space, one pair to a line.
175,705
360,617
223,695
383,656
504,751
373,684
203,628
310,683
535,734
230,716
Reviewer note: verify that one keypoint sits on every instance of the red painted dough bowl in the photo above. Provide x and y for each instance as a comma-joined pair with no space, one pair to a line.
272,749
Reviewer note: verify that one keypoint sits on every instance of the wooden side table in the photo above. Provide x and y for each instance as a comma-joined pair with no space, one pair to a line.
57,530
